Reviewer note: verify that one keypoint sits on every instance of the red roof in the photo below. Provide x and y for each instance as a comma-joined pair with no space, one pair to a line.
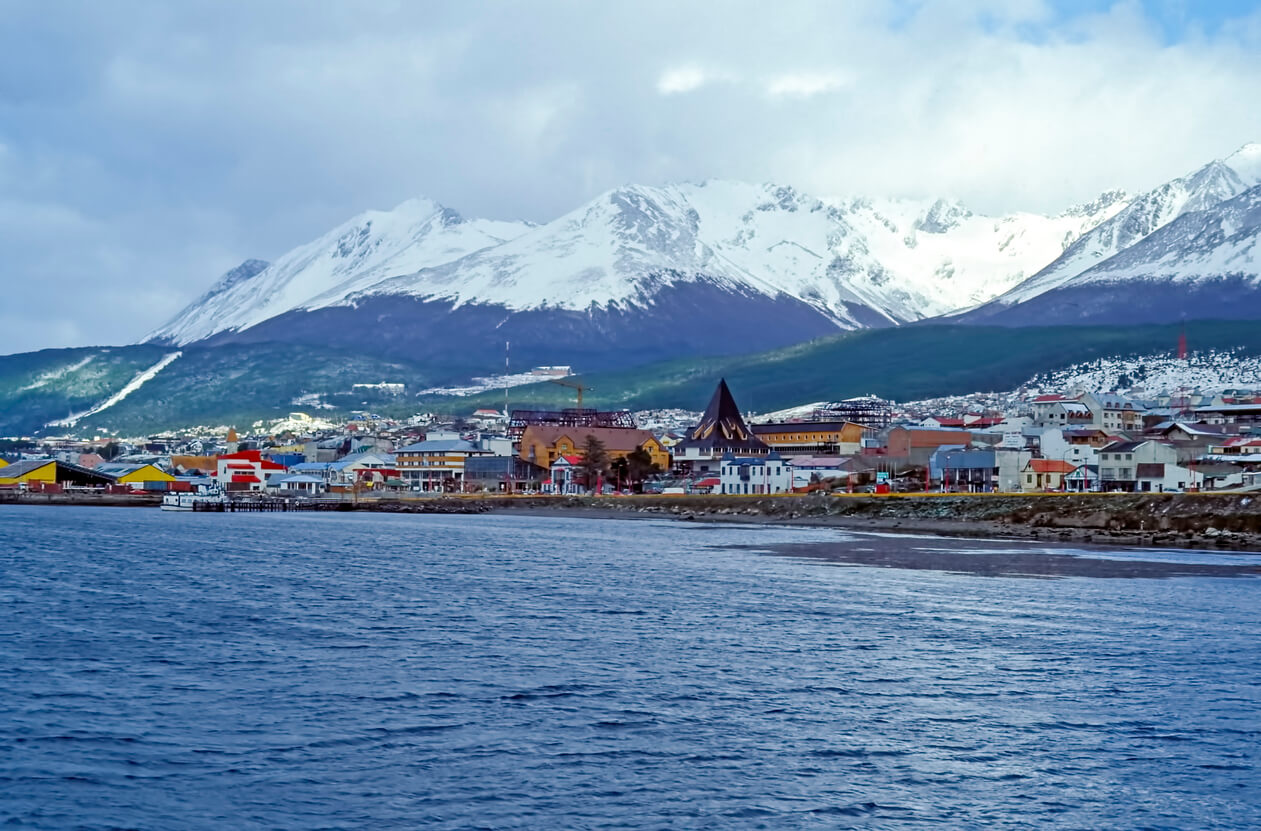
573,460
1051,466
1042,399
245,455
240,477
271,466
241,466
708,483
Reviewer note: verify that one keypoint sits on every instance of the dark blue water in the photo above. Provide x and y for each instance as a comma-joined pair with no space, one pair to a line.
169,671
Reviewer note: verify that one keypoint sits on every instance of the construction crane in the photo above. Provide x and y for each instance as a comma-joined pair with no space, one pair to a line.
574,385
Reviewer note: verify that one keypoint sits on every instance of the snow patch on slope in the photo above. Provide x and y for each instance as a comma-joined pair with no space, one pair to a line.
131,386
1158,374
49,377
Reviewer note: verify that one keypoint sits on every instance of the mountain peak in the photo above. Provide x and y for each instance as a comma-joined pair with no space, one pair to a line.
1246,162
942,216
1101,203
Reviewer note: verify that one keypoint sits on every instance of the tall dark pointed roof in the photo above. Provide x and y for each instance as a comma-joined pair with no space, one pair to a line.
722,428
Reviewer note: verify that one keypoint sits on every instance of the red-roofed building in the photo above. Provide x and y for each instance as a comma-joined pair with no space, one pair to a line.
567,475
245,470
1045,474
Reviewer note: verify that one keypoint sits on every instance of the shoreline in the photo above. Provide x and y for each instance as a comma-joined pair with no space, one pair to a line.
1213,521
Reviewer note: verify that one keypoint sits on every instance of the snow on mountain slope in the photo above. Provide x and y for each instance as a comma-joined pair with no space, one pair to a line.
1217,181
1216,242
366,249
858,262
960,259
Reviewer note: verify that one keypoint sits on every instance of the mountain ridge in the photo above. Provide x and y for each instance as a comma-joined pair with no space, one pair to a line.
857,261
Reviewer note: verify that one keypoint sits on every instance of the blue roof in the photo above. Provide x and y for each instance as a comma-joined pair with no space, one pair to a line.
346,461
729,459
438,446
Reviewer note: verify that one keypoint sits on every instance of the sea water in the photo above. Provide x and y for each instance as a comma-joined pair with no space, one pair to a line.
258,671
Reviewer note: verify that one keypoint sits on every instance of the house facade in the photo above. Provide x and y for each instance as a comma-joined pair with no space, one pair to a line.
435,465
1046,474
1119,464
543,444
961,469
245,470
754,474
812,438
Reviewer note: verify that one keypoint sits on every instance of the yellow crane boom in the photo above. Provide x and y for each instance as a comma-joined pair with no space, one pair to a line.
574,385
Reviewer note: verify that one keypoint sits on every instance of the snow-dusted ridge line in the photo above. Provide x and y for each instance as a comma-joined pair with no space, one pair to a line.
854,260
1096,252
131,386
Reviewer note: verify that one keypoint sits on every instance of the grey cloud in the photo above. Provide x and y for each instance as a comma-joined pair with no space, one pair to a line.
150,146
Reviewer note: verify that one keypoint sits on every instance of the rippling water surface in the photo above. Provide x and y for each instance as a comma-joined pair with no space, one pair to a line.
171,671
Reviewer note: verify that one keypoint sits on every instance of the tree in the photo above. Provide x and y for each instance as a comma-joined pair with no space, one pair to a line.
595,461
639,466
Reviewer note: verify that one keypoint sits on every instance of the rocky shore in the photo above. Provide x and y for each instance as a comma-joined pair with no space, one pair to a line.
1213,521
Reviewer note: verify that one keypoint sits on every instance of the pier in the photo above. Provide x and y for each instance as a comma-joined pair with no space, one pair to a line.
273,505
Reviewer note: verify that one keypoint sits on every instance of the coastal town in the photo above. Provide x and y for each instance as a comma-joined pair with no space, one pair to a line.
1078,441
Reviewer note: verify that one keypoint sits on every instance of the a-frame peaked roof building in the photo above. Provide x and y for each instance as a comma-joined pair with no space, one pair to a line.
722,429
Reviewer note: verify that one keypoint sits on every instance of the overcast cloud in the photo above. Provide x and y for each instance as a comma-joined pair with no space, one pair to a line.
145,148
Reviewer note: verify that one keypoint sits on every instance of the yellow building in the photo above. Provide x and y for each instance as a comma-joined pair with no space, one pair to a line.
3,463
36,470
543,444
134,474
812,438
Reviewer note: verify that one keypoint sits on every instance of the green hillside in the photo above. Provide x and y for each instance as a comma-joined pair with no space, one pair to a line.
240,384
906,363
221,385
38,387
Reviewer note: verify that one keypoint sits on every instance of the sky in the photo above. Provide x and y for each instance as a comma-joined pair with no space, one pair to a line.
147,147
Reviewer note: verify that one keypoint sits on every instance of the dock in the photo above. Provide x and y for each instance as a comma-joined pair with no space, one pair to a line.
273,505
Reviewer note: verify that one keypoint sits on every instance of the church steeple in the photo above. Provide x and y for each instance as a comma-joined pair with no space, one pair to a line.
722,428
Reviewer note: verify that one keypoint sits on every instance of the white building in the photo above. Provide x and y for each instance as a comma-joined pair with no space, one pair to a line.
755,474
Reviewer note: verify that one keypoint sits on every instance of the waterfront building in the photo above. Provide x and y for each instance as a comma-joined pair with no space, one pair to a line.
811,438
566,476
722,431
44,474
963,469
1046,474
543,444
139,475
754,474
915,445
435,465
503,473
245,470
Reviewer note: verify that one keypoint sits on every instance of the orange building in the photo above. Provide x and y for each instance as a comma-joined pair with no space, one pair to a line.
918,443
543,444
812,438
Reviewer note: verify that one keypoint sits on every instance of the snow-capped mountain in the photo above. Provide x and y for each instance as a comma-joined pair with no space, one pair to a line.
1205,264
367,248
794,266
1090,259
